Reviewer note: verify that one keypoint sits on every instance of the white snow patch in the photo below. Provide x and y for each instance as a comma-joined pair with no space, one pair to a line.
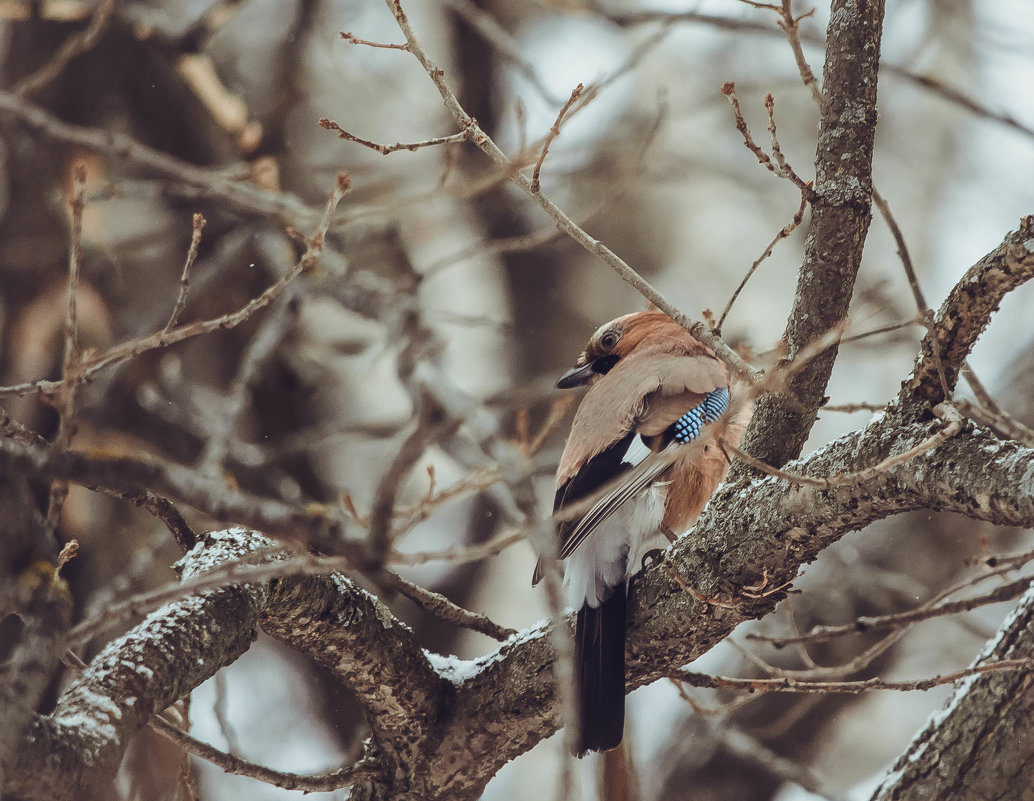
452,668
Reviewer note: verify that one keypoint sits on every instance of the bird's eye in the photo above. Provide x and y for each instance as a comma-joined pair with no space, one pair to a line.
609,340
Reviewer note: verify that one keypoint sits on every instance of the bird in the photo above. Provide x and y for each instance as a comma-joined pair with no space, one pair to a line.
644,454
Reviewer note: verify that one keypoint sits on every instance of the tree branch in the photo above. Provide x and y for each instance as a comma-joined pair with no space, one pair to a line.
964,315
983,733
840,220
71,753
501,707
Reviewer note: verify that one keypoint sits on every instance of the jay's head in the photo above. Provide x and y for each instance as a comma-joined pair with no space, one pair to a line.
615,340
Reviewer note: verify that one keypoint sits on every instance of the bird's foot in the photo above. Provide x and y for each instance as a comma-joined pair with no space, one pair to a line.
652,557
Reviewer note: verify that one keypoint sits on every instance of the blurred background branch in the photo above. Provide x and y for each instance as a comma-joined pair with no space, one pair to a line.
369,382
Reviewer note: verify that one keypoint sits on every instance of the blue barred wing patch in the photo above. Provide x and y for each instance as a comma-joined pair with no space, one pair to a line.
688,427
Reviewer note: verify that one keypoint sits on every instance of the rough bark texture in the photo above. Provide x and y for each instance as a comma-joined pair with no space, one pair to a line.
441,728
965,314
978,747
841,213
355,636
73,753
35,610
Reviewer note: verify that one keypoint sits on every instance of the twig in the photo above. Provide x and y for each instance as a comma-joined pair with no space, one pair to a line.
865,625
492,32
312,523
784,169
983,396
181,298
484,142
160,507
783,234
779,167
934,85
851,408
163,338
73,46
478,480
903,253
432,424
789,685
749,749
947,413
557,411
75,264
460,554
261,348
883,329
220,708
524,242
71,365
999,421
554,132
789,26
775,379
384,150
315,783
348,37
992,414
442,608
121,148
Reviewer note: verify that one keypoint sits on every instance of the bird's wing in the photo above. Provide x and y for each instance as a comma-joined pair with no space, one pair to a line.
625,469
645,393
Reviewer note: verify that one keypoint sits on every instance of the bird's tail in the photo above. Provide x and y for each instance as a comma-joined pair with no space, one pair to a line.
600,660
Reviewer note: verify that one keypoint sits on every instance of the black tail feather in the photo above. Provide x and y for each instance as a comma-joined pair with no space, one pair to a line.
600,660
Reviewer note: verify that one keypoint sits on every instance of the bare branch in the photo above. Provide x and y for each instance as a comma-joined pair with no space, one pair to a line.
460,554
1004,424
783,234
348,37
64,402
173,652
163,338
258,565
492,32
950,757
119,147
315,783
945,412
311,523
964,315
928,611
478,137
839,224
181,298
554,132
73,46
384,150
445,610
160,507
850,687
934,85
432,424
851,408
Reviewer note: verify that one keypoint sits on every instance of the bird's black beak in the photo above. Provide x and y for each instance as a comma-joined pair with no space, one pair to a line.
576,376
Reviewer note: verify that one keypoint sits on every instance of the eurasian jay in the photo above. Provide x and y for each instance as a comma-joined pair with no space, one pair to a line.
653,388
